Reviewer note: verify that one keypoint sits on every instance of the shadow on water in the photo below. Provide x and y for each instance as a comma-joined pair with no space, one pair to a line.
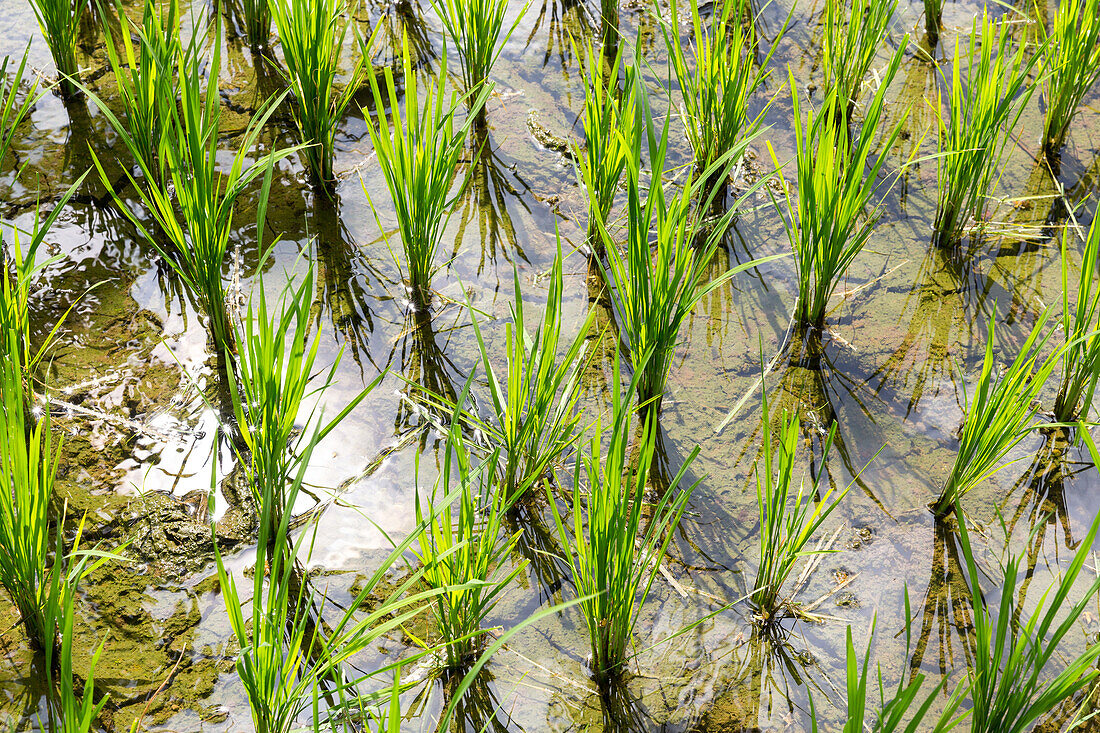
343,282
1086,182
405,19
813,385
1042,501
623,712
426,369
945,612
539,546
479,710
714,306
603,338
28,695
947,298
693,552
758,684
1037,213
566,22
916,84
491,186
80,131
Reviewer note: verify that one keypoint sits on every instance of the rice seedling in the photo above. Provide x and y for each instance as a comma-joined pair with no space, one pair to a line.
146,78
418,157
12,110
489,183
76,713
1071,66
717,80
618,540
906,710
985,103
35,569
1081,356
284,656
257,22
59,21
28,467
274,377
851,42
655,287
610,127
461,551
998,414
284,660
424,361
837,178
275,663
534,419
785,527
197,220
17,271
311,34
476,27
1012,680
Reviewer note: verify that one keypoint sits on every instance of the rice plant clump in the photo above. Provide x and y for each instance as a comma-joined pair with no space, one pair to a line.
34,567
275,376
663,273
285,653
610,129
786,527
192,227
717,81
851,42
1012,682
311,35
609,24
28,467
59,21
837,178
618,540
476,27
998,414
276,663
146,78
461,551
1081,355
985,103
1071,66
533,419
287,662
419,155
12,110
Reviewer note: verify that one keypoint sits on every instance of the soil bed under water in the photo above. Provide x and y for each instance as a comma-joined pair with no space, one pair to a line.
132,372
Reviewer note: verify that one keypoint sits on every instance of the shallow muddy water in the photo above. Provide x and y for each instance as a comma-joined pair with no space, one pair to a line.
906,334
